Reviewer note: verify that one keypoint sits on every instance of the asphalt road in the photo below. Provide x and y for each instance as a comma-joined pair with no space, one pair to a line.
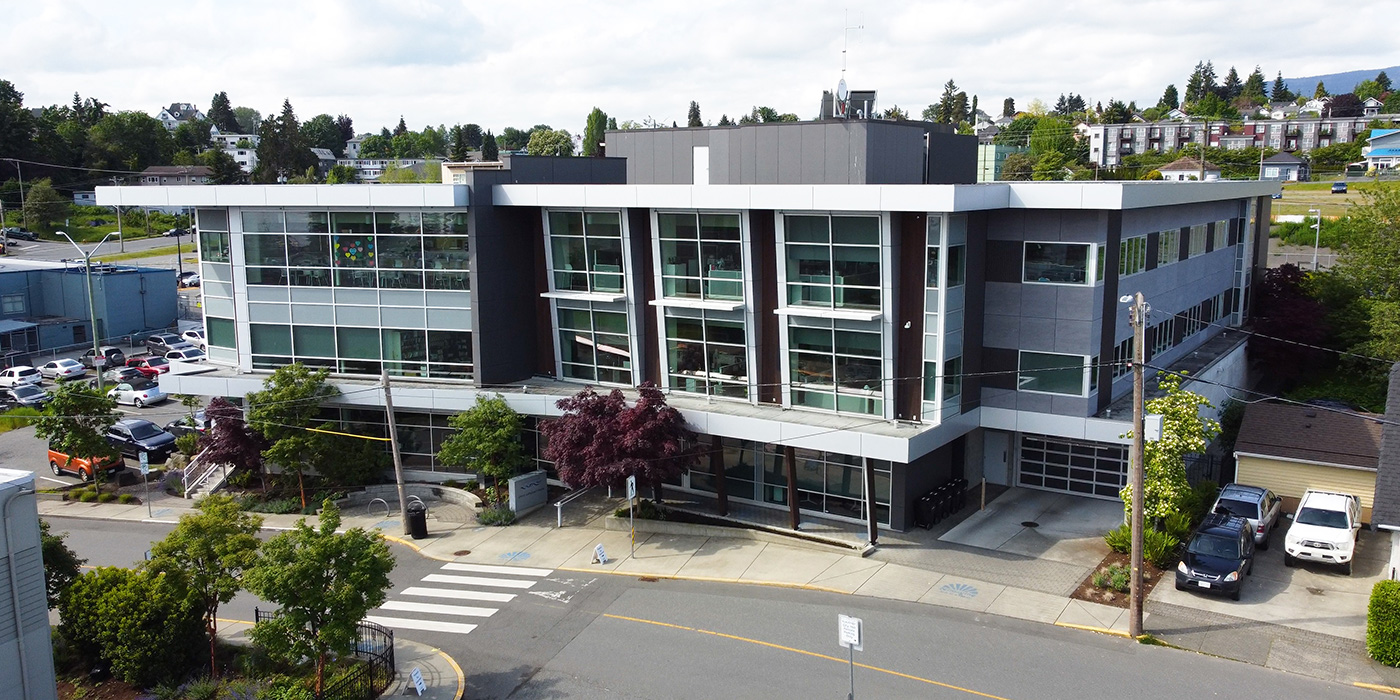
60,250
579,635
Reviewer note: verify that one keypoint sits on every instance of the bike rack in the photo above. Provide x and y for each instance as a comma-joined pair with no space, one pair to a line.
387,512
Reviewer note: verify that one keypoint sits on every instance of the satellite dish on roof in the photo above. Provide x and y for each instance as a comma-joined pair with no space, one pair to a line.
841,91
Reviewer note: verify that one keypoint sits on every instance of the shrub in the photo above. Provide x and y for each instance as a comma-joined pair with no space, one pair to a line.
1120,540
1383,623
145,624
106,497
187,444
281,506
646,510
126,498
242,478
88,497
1159,548
172,481
473,485
202,689
496,515
1177,525
18,417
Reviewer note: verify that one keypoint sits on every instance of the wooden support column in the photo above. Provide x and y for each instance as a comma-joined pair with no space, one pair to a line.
790,467
717,468
872,525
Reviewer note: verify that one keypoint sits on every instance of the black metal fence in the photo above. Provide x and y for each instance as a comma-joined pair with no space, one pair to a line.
1201,468
373,669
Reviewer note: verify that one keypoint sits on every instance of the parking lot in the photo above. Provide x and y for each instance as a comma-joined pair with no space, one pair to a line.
1306,596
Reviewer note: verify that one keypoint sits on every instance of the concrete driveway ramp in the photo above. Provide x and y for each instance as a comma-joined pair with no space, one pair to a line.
1041,524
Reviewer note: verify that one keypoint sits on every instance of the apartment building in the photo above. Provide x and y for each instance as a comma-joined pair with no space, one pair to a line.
1108,143
836,308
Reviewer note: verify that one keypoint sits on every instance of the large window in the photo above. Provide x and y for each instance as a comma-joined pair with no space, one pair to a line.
827,482
1168,247
351,350
586,251
701,256
1054,373
213,246
1057,263
1122,359
1221,235
1198,241
594,344
12,304
221,333
1163,336
707,355
832,261
836,369
1132,256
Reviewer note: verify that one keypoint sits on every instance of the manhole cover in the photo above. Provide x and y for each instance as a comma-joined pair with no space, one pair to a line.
1029,523
1315,591
461,552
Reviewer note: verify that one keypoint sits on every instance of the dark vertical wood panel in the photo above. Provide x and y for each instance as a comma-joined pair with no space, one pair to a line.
639,240
764,253
909,235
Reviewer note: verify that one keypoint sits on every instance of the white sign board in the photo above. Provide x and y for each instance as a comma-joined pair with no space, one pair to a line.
418,684
631,487
527,492
599,556
145,463
848,631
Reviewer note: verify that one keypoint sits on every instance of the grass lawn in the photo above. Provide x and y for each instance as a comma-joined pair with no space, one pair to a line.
1299,198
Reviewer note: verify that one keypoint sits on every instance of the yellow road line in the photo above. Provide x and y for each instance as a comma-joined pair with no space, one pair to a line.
236,622
414,546
804,652
707,579
1100,630
1378,688
461,677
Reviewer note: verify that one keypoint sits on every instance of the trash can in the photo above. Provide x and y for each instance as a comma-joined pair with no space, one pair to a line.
417,520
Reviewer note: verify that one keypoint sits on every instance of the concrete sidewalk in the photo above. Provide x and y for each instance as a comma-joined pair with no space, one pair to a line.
909,568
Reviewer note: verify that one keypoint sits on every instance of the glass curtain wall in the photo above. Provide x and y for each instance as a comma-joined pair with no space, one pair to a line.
701,256
707,353
835,367
403,352
832,261
594,333
827,482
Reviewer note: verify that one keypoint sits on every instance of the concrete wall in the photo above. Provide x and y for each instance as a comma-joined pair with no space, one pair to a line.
26,654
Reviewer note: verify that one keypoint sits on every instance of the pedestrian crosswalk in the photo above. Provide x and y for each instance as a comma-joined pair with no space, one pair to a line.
466,586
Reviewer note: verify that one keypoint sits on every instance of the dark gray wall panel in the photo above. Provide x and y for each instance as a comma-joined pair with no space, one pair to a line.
952,159
789,154
765,155
683,156
813,167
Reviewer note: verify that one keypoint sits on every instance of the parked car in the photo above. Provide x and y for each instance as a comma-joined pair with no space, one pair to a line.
184,425
1218,556
20,374
189,278
20,234
114,357
195,337
117,375
24,395
134,436
81,467
175,232
62,369
149,365
138,395
1276,195
161,343
1260,506
187,354
1324,529
1339,188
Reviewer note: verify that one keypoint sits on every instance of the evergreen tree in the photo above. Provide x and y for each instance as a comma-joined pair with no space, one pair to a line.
960,108
1320,92
282,149
724,120
1232,87
944,113
1254,87
692,119
473,135
972,111
221,114
1384,81
1280,91
402,128
224,170
1169,99
1076,103
597,123
612,124
1208,79
1195,85
1061,106
489,152
1008,107
459,144
346,125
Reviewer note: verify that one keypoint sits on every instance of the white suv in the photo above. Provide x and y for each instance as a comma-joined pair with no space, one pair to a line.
1324,529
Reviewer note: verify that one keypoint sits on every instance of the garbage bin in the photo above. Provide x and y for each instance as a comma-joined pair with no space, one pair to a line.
417,520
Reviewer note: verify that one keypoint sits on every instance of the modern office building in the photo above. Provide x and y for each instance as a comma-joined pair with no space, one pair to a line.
845,334
26,648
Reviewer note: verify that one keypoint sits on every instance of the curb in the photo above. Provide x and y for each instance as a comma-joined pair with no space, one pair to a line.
461,677
1377,688
414,546
708,579
1090,628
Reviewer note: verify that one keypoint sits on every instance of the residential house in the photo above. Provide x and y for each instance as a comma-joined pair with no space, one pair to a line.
85,197
990,157
325,159
842,316
1289,449
369,169
1371,107
352,147
1382,150
1284,166
178,113
175,175
1188,168
1177,114
1108,143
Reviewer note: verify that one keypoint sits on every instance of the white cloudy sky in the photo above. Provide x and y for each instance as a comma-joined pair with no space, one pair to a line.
519,63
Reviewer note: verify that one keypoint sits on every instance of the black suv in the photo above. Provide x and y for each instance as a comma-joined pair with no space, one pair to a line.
1218,556
134,436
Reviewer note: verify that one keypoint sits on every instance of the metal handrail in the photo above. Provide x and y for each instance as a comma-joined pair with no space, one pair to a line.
559,507
193,483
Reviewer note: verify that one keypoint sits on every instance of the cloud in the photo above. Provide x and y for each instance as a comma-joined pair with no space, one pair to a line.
518,64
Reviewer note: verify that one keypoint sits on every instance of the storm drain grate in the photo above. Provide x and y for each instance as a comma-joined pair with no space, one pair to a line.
1029,523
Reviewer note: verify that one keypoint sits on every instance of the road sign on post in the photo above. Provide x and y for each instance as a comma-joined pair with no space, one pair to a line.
849,634
145,484
632,510
631,487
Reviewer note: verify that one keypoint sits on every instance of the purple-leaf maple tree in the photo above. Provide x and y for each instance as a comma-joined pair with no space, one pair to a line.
601,440
229,439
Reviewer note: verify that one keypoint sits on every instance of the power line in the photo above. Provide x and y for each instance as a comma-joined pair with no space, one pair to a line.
1186,377
70,167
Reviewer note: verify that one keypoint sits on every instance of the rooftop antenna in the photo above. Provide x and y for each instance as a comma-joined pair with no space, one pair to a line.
842,92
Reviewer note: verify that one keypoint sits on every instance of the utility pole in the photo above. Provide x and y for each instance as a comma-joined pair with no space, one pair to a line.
394,447
1205,136
1317,233
1137,315
98,359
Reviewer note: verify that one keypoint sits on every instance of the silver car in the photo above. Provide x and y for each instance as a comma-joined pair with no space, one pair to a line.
137,395
1260,506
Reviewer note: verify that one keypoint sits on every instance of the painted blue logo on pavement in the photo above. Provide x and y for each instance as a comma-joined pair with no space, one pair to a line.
515,556
961,590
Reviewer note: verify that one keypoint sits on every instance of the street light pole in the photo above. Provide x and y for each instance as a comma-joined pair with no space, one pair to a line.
1317,234
92,303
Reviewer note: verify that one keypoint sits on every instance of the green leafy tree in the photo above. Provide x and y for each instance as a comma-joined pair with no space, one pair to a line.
513,139
1018,166
550,142
594,128
61,565
281,412
1367,88
248,119
1051,166
192,136
489,151
342,175
473,135
16,122
1052,134
1371,261
347,462
76,422
128,141
407,145
324,583
895,114
487,440
1392,103
1321,91
321,131
1184,432
282,149
1017,133
146,624
692,116
43,206
1212,106
223,169
221,114
210,550
1116,113
376,146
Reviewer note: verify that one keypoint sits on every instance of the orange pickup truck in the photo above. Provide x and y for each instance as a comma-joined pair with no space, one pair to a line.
80,467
